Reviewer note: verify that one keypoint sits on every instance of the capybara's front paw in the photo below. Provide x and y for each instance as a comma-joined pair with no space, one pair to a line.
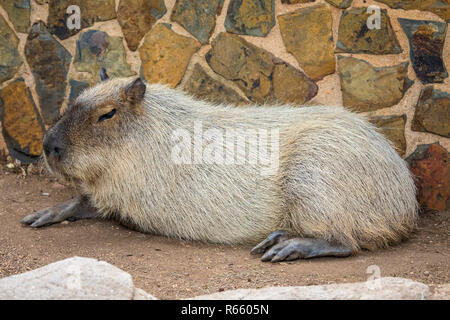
49,216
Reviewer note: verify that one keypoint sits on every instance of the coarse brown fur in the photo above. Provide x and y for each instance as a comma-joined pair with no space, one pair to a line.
339,179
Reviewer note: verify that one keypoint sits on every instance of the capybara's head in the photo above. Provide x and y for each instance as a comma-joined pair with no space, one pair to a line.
81,143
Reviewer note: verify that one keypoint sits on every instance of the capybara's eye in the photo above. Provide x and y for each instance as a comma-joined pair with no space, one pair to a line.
108,115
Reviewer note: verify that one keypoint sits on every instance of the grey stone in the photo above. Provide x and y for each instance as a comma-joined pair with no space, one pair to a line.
96,49
76,87
49,62
388,288
73,278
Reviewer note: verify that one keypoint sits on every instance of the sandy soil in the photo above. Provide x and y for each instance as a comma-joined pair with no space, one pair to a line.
176,269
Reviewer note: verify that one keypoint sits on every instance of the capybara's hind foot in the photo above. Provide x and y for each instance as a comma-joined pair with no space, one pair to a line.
75,209
282,248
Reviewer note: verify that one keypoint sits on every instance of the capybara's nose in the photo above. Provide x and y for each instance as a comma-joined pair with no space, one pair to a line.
53,146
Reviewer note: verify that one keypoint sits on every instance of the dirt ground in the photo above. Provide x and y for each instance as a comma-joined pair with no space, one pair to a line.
172,269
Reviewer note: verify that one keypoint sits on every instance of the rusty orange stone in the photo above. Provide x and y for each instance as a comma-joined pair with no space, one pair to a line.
22,125
165,55
430,166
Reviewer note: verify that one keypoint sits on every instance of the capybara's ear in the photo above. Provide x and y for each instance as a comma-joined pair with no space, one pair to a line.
135,91
103,75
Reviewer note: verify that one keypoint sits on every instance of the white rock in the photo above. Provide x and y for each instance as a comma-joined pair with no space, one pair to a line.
383,288
140,294
73,278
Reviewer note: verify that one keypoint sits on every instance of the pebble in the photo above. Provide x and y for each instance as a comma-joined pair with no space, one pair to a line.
58,186
427,273
45,194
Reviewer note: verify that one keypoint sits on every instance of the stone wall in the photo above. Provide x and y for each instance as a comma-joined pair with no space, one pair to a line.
328,52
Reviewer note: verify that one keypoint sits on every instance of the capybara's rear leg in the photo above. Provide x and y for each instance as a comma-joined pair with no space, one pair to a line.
75,209
278,247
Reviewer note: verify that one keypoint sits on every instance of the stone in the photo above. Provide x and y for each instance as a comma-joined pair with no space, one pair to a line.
76,87
23,129
18,13
291,86
367,88
250,17
10,60
432,112
296,1
96,49
393,128
388,288
140,294
429,164
426,41
197,17
307,34
49,62
136,17
341,4
438,7
355,36
204,87
165,55
73,278
90,12
257,72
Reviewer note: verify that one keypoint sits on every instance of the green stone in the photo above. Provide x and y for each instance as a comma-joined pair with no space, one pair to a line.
355,36
307,34
432,112
341,4
259,74
393,128
250,17
367,88
438,7
10,60
18,13
197,17
204,87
